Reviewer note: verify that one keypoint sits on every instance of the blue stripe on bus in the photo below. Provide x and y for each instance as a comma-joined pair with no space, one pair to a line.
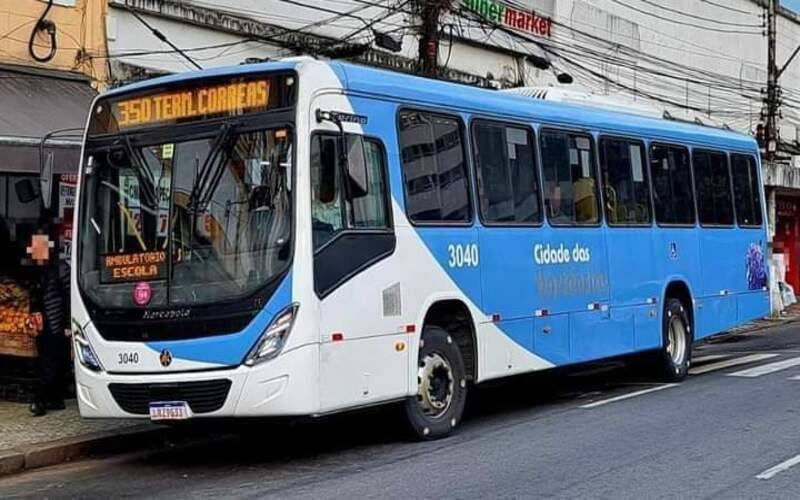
230,349
607,305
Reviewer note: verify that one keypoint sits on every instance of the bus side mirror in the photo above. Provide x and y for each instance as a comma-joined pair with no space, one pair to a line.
46,182
356,168
26,190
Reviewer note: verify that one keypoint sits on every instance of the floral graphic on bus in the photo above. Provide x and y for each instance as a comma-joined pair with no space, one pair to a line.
755,267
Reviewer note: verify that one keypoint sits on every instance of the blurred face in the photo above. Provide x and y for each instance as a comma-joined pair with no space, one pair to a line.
39,249
555,200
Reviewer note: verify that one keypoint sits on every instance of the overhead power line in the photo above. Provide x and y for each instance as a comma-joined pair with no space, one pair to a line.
162,37
726,7
701,18
686,23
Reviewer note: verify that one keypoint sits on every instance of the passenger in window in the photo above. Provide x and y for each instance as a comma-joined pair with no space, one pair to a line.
557,216
585,201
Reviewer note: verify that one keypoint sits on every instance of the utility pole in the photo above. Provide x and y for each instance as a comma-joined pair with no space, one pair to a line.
430,11
771,125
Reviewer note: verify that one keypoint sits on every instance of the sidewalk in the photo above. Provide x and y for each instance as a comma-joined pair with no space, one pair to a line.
790,315
59,436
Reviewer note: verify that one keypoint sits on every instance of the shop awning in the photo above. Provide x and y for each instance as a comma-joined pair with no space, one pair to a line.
34,103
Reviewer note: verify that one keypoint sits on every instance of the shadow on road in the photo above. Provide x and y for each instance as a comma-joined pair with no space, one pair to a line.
261,442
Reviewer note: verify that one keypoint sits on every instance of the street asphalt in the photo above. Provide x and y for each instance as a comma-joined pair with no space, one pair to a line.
603,431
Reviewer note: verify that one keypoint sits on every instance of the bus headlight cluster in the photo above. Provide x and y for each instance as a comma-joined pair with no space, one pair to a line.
274,337
84,350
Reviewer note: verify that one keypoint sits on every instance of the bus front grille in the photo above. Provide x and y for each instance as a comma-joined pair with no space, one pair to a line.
203,397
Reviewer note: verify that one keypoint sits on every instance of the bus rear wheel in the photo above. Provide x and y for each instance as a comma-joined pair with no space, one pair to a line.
441,386
676,351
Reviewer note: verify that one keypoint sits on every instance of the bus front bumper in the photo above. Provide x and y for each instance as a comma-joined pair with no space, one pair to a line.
284,386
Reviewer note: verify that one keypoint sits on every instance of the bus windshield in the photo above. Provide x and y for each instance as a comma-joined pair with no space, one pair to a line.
200,221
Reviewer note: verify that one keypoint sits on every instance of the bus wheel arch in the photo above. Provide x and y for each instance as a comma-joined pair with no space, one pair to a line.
446,363
680,290
454,317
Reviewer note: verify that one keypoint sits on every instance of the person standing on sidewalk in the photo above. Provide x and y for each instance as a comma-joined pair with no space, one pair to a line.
50,301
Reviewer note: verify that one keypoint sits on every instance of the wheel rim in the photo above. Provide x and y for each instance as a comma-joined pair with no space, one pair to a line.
676,340
436,384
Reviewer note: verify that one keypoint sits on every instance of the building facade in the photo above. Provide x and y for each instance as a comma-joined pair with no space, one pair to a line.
52,64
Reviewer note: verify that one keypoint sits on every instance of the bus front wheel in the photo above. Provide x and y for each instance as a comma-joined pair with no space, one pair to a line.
441,386
676,351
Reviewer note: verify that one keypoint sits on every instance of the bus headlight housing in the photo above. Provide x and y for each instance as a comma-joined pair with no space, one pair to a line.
83,349
274,337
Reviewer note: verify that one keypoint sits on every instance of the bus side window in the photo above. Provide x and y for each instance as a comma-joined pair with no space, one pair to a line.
745,190
570,182
713,185
672,181
434,168
506,171
625,184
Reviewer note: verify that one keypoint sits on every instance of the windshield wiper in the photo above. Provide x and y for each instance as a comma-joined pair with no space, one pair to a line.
143,175
210,173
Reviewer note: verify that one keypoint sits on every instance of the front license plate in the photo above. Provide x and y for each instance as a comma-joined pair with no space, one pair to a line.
170,410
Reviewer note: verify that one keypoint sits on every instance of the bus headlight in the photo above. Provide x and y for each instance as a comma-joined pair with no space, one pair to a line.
84,350
274,337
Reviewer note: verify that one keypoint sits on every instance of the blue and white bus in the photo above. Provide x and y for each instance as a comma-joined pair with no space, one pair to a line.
305,237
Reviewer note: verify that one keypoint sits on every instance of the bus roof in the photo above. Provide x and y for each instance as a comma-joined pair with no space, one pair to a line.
457,97
445,95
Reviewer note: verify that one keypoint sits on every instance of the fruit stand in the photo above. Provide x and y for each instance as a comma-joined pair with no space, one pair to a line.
17,334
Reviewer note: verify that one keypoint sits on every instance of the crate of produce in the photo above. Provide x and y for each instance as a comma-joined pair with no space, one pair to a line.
18,344
17,335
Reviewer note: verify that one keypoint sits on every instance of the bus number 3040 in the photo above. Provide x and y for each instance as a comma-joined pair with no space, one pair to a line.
462,255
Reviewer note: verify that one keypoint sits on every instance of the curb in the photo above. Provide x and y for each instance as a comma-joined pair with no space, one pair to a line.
764,324
37,455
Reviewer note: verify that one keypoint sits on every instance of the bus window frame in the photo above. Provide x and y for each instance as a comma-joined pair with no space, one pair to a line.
651,209
688,150
477,119
465,147
544,128
758,185
730,187
387,190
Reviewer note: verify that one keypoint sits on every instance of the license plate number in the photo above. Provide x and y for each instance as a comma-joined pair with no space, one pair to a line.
170,410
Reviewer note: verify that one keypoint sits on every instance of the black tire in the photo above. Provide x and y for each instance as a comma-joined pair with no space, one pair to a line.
674,366
427,422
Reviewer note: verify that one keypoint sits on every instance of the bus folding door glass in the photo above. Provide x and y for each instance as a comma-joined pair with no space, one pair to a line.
672,181
569,178
745,190
625,186
713,183
369,211
331,211
327,214
437,189
506,168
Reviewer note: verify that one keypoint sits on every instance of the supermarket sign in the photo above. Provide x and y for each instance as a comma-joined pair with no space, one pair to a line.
516,19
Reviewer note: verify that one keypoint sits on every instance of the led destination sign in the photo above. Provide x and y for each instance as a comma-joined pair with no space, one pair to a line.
133,266
175,106
194,100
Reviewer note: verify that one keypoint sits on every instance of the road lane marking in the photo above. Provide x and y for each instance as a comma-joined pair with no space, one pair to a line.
769,473
766,369
752,358
628,396
709,357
